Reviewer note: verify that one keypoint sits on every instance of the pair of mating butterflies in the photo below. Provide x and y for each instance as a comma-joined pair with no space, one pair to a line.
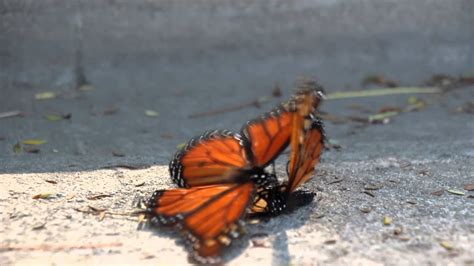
222,178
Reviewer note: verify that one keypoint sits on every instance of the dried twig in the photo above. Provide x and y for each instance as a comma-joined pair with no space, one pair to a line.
337,180
97,211
369,193
382,92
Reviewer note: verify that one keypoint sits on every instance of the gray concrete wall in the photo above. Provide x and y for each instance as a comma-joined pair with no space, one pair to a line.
181,57
239,43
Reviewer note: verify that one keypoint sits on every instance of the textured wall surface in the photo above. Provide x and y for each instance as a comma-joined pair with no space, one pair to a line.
238,42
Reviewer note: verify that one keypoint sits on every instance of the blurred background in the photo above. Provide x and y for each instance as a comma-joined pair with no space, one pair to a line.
126,76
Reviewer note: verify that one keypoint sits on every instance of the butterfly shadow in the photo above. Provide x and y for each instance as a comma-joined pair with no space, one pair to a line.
270,232
168,232
262,231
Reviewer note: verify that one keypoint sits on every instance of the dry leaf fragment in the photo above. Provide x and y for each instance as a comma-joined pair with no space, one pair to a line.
378,80
31,150
45,95
50,181
151,113
10,114
53,117
360,108
467,79
469,187
336,180
468,107
383,118
424,172
415,104
42,196
448,245
140,184
56,117
70,196
260,243
141,218
260,240
17,148
254,221
33,141
358,119
101,215
118,153
456,192
100,196
318,215
373,186
147,256
404,164
330,242
369,193
111,111
398,230
86,87
440,80
39,226
166,136
437,193
404,238
334,144
96,209
387,109
276,91
387,220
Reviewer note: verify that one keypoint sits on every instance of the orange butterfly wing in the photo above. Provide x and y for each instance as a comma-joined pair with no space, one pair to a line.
209,213
216,157
305,154
269,135
221,156
306,101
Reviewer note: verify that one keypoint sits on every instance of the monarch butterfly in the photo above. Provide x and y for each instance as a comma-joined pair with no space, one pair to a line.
209,159
305,155
305,152
211,214
221,175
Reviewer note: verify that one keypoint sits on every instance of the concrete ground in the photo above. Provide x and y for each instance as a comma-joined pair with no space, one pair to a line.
183,57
